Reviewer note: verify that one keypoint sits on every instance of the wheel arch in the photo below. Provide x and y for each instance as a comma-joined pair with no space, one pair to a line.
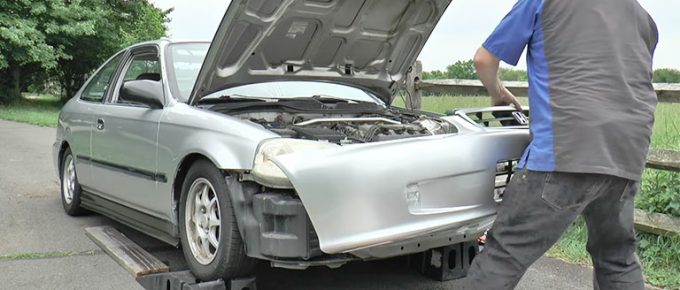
62,148
235,192
181,173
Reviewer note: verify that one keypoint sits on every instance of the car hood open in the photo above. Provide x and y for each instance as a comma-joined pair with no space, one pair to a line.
370,44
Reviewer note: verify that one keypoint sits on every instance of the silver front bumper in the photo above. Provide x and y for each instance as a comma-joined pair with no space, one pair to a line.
364,196
465,232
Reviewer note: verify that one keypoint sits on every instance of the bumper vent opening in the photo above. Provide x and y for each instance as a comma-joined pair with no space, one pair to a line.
504,171
500,118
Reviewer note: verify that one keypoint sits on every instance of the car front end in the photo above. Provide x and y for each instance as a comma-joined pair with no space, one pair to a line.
326,200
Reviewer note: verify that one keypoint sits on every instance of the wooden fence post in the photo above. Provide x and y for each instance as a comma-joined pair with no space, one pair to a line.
414,96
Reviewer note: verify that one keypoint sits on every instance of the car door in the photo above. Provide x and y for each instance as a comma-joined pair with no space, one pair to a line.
124,141
82,121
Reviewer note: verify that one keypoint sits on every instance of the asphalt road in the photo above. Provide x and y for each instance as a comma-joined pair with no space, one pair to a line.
43,248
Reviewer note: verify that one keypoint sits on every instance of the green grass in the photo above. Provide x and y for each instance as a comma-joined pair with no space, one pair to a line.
660,256
32,256
572,245
667,127
41,110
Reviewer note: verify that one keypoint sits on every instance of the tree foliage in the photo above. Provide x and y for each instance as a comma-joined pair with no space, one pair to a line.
459,70
666,75
121,23
509,74
466,70
66,40
26,28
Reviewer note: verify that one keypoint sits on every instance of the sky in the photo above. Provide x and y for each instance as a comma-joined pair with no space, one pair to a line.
463,28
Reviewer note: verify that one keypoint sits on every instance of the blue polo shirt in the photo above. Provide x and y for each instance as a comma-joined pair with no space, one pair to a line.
590,82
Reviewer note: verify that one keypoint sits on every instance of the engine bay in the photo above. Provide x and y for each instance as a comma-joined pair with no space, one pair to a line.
348,128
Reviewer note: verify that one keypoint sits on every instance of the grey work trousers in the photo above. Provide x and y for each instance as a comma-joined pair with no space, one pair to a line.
538,207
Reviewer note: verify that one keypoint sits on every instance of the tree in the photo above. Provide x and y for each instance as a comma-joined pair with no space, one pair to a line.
459,70
66,40
466,70
121,23
462,70
25,27
666,75
434,75
508,74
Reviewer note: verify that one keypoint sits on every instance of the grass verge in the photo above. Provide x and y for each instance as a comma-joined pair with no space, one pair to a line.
41,110
46,255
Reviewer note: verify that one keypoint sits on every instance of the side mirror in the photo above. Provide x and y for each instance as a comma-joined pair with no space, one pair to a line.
146,92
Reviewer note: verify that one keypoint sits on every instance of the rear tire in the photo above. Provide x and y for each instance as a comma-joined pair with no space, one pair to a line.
70,188
210,239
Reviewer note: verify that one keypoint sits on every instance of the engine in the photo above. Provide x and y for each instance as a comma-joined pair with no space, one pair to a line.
349,129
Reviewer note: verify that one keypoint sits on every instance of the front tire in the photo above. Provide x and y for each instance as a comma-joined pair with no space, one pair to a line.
210,238
70,188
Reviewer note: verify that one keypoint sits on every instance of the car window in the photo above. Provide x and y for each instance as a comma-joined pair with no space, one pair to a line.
99,84
144,66
297,89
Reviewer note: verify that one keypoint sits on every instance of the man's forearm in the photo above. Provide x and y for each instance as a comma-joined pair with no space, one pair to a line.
487,68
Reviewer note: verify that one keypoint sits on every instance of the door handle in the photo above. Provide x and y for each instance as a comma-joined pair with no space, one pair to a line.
100,124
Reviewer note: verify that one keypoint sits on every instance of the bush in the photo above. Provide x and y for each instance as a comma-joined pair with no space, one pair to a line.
660,192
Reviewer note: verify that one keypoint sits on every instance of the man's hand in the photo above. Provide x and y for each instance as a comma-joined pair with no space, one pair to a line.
508,98
487,68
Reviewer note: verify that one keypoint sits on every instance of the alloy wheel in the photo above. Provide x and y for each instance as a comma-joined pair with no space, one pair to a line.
202,221
69,179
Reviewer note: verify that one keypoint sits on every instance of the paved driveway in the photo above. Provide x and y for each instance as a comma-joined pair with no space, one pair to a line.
42,248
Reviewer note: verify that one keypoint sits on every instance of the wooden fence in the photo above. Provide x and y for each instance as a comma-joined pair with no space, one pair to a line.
416,86
656,223
667,93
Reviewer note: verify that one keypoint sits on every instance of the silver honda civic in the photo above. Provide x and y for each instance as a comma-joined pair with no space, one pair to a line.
277,141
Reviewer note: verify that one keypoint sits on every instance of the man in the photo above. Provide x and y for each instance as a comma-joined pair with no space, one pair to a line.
592,111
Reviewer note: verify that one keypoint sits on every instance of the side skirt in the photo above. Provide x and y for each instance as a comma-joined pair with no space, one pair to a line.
147,224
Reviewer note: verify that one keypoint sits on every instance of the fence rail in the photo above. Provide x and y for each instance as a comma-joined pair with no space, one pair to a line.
666,93
664,159
656,223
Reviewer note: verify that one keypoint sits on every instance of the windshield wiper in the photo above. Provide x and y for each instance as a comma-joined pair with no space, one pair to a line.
234,97
322,98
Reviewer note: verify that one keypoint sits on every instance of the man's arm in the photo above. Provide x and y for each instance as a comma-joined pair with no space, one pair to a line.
487,66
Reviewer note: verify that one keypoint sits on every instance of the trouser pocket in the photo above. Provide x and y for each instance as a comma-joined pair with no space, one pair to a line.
568,190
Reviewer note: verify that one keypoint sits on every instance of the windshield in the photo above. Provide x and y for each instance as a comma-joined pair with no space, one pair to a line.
297,89
184,62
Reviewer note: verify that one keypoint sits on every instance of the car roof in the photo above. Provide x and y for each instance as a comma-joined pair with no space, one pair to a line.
165,41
